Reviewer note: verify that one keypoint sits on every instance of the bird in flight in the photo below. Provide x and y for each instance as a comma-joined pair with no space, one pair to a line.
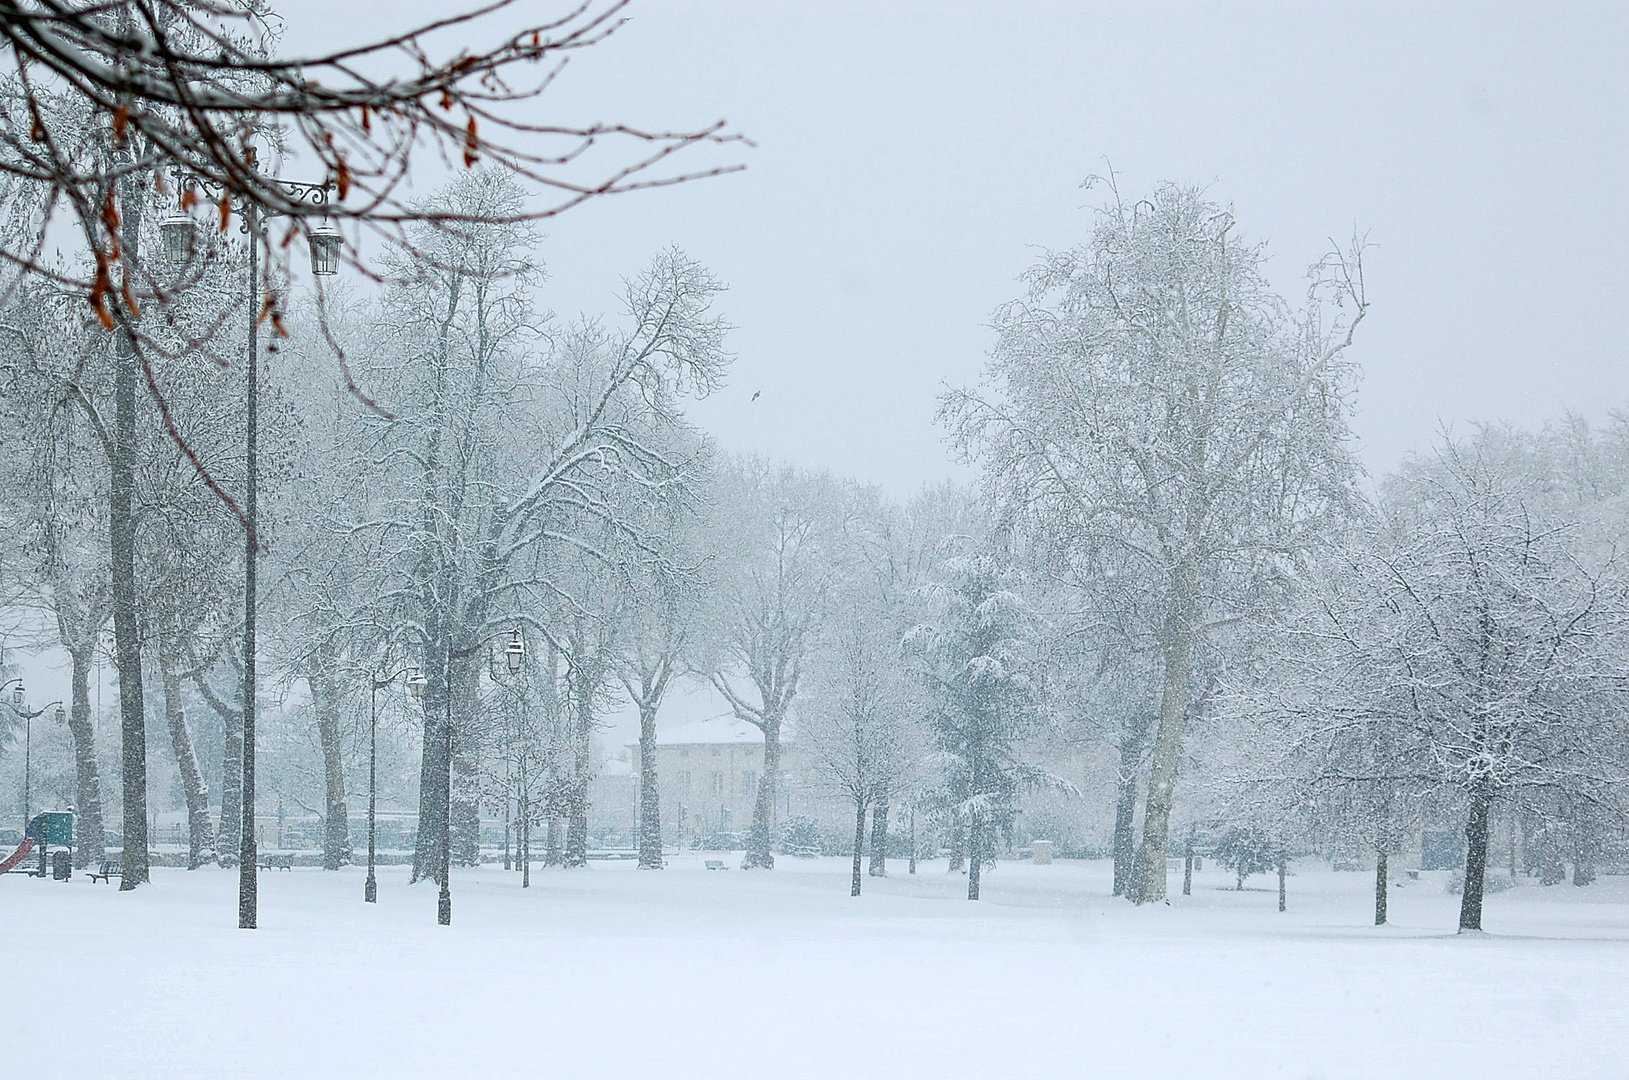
755,394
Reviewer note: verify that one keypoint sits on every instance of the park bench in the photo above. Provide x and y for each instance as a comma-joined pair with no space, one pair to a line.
110,868
715,864
277,862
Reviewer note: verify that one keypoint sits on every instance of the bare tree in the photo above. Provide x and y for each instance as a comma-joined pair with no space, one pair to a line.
656,645
78,383
58,500
1152,395
460,515
100,99
779,535
1468,648
856,723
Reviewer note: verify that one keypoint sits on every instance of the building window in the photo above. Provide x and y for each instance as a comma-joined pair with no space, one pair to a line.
749,783
684,781
718,783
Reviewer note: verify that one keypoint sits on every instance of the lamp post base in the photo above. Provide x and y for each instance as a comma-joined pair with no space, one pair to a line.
370,891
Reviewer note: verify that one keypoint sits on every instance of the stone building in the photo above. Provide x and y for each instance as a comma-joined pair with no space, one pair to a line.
708,773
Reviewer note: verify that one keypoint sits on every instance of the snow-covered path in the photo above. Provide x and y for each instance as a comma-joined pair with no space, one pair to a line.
688,973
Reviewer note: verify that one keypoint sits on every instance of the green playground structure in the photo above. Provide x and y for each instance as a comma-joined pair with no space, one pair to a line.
52,827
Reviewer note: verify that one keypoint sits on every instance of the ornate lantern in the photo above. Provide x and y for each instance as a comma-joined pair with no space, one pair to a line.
325,247
178,233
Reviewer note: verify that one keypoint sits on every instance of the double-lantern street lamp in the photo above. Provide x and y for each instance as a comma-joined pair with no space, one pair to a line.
179,233
18,704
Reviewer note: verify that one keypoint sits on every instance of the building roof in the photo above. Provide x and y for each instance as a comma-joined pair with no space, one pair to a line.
714,731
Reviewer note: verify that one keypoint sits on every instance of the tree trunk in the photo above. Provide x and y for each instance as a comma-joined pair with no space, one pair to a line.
859,845
200,841
549,701
466,766
433,765
912,864
1552,865
1585,846
126,620
1476,857
466,806
576,854
762,837
553,853
958,846
229,831
1515,824
336,832
879,840
650,807
1380,888
1125,806
525,841
1187,868
1281,869
87,772
1530,847
975,852
1148,878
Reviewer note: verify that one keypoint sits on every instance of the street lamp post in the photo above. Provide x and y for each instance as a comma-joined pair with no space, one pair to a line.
370,891
29,716
179,234
17,699
514,655
28,745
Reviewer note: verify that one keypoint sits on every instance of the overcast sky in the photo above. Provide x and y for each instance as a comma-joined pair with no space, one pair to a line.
912,159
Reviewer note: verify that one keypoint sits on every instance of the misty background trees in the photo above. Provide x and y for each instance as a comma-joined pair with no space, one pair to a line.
1171,605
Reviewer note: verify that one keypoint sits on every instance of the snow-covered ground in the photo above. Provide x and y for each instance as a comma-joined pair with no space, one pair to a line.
614,973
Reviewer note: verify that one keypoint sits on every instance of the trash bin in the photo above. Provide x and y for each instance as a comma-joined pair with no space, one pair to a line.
62,865
1041,852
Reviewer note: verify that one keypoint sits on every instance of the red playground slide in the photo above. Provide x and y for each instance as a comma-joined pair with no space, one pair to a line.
17,856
